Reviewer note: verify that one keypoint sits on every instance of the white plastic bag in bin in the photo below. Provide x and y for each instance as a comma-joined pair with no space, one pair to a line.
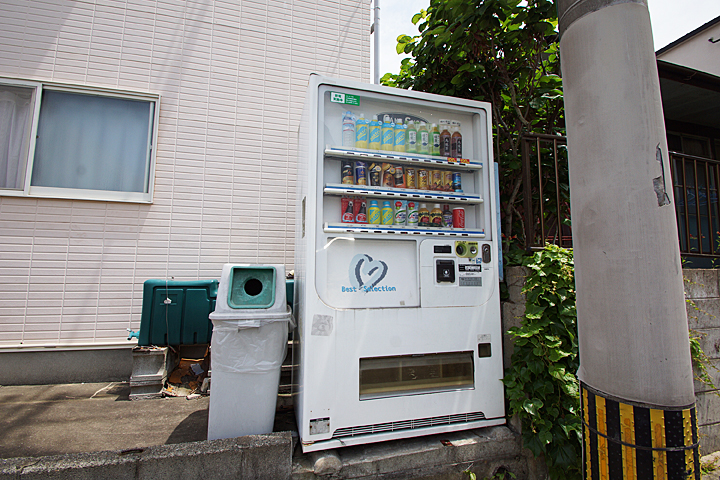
248,349
250,342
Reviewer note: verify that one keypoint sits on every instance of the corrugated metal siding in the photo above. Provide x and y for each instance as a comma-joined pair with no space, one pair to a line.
232,78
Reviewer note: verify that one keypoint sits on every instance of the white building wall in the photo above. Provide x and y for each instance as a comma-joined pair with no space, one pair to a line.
697,52
232,78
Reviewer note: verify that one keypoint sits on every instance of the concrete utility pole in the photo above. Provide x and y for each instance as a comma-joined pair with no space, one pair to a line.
635,369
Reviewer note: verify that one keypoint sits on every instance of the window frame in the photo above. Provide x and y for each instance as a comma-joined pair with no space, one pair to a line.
76,193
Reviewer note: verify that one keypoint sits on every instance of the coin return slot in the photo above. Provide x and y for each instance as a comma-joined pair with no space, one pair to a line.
445,271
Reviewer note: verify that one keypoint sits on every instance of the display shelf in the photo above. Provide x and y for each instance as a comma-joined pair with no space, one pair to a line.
401,193
401,230
404,158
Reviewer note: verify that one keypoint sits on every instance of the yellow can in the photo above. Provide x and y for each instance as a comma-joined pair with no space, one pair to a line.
423,179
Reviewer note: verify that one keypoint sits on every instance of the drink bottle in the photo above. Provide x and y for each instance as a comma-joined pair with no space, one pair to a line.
361,132
388,134
348,130
375,133
400,135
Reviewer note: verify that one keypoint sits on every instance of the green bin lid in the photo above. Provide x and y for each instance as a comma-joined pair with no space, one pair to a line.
251,287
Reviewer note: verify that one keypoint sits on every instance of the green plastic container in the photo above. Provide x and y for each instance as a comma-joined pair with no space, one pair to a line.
251,287
184,319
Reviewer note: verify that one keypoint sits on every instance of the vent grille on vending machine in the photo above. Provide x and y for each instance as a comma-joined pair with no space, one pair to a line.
409,424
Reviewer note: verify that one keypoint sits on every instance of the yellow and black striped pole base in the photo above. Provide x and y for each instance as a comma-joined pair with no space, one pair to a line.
628,440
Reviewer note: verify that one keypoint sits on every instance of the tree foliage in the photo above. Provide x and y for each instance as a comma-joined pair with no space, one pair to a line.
501,51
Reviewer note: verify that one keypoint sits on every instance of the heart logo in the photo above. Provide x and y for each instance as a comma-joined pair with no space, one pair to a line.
365,272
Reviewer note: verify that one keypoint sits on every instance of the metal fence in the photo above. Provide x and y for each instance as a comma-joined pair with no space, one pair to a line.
546,197
695,182
546,194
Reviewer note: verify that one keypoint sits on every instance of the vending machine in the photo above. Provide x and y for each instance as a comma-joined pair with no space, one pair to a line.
396,267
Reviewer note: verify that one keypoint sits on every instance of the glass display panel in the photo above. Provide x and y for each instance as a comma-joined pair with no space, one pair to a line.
415,374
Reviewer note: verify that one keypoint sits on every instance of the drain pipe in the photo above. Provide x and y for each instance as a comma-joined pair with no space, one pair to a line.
375,30
636,379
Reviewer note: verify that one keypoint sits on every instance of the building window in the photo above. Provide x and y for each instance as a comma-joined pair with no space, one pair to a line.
16,114
76,143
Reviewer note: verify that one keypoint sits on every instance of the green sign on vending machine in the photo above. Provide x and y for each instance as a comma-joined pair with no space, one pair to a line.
337,97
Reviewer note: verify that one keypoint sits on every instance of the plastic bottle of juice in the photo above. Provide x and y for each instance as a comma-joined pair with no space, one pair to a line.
423,139
435,136
456,140
361,132
447,216
445,138
423,216
388,134
436,216
375,133
387,214
374,213
348,130
411,142
400,135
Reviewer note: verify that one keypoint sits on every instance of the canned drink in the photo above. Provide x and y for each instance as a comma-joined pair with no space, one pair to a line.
399,176
410,178
375,172
456,182
347,214
412,214
423,179
347,173
386,214
361,173
400,212
436,180
361,215
448,181
458,217
388,175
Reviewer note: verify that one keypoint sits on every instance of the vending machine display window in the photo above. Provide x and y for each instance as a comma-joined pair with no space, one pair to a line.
415,374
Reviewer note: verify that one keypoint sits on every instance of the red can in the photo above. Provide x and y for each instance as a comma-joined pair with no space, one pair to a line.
347,210
458,217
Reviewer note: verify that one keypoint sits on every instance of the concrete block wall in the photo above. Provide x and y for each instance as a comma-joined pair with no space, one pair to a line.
702,287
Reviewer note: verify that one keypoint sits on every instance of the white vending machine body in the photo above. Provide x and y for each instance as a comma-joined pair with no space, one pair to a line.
399,329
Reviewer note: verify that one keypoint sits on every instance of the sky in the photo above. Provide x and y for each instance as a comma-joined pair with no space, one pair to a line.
671,19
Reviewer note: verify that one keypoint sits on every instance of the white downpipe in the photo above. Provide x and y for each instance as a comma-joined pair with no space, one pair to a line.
376,36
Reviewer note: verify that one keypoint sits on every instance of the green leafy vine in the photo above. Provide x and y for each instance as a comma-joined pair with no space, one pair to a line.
541,385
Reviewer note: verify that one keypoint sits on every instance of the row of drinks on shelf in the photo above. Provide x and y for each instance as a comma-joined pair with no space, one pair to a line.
401,213
411,137
400,176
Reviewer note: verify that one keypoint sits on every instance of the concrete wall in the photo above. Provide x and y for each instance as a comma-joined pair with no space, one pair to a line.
52,366
250,457
231,76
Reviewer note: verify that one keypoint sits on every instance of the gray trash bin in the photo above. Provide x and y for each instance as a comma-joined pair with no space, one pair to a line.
249,343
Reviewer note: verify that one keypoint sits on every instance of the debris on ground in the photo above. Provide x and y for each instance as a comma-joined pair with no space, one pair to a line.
189,377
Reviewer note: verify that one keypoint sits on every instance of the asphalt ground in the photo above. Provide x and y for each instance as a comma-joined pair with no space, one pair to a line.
38,420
